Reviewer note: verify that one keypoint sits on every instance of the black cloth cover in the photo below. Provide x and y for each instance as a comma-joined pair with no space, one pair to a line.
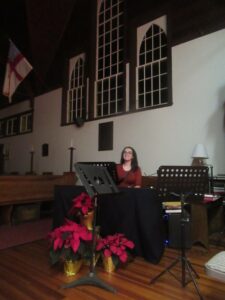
135,212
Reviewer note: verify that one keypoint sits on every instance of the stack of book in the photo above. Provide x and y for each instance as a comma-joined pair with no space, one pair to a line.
210,198
171,207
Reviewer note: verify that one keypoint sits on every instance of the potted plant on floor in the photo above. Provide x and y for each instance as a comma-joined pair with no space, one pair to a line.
115,250
69,243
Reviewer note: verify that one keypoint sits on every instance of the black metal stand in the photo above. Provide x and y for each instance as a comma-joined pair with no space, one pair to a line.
31,162
97,181
186,267
211,186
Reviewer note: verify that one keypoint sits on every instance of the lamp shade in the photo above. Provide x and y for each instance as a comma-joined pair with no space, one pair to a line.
200,151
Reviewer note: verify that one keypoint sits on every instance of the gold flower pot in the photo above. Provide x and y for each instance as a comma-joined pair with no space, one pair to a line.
87,220
108,264
72,267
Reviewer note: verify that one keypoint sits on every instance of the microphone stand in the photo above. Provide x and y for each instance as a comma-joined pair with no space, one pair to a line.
186,266
211,185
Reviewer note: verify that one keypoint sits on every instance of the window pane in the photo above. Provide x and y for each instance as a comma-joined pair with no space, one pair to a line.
114,34
149,57
142,59
148,99
99,98
155,83
164,96
164,51
156,54
141,87
155,29
142,49
156,98
141,74
113,94
120,93
149,44
107,72
163,66
120,106
148,72
105,109
148,85
105,96
163,81
163,39
112,107
114,70
141,101
155,69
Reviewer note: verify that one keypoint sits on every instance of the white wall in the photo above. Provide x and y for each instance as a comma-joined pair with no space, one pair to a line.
160,136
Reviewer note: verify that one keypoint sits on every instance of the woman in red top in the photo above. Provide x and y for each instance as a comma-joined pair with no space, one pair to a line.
128,171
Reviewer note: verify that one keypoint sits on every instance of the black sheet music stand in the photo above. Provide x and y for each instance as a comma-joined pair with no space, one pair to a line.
183,181
96,181
109,165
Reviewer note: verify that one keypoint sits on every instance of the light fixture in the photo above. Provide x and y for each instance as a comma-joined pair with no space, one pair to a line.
199,155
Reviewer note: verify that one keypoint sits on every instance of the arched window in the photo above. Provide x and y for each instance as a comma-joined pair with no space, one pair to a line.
76,102
152,65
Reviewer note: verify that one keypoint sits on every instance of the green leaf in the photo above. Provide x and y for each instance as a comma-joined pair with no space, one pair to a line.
115,260
54,256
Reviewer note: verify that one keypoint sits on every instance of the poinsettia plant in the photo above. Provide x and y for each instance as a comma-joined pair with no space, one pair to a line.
117,246
70,241
81,205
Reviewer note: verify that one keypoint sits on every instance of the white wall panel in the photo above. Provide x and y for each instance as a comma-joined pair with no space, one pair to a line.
160,136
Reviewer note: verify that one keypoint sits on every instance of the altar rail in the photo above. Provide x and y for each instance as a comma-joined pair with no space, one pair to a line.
17,190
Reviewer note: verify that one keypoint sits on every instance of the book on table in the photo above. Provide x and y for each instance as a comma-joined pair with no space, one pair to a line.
172,206
210,198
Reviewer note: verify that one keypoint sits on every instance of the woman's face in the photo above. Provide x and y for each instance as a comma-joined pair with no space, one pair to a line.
127,154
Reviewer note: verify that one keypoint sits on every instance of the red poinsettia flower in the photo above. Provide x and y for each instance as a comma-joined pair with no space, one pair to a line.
67,240
82,203
115,245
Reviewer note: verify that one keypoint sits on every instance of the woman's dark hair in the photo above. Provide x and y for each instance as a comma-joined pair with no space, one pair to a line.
134,162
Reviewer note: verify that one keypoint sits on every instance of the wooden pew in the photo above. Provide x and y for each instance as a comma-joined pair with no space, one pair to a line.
149,181
17,190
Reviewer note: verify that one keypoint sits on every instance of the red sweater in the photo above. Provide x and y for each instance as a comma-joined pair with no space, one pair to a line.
128,178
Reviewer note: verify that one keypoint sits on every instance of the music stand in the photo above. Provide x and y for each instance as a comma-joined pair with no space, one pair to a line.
182,181
96,181
109,165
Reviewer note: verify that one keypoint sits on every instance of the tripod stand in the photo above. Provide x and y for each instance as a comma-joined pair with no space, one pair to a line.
97,181
186,267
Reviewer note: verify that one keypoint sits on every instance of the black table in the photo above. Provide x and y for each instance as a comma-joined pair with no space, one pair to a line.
135,212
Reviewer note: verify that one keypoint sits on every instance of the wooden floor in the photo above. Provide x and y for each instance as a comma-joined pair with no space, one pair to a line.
25,273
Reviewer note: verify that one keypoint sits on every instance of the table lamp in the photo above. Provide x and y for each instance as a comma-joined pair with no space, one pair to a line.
199,155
